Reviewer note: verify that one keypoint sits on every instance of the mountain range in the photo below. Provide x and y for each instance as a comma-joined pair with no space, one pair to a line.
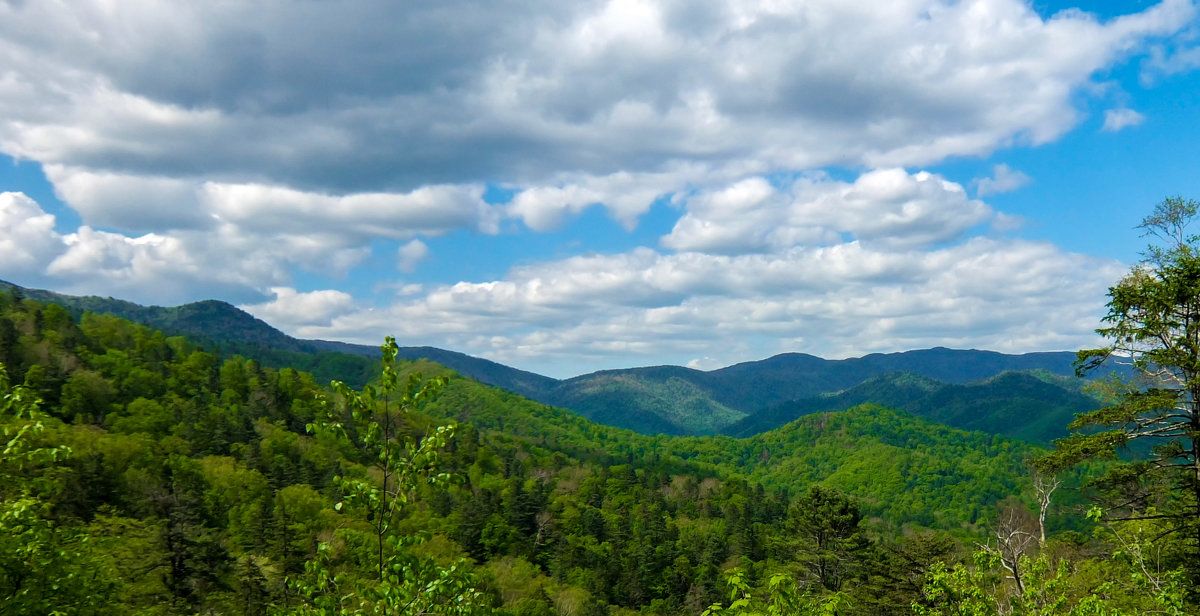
1030,396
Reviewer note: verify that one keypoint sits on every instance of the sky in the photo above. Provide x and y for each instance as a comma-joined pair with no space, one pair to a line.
566,186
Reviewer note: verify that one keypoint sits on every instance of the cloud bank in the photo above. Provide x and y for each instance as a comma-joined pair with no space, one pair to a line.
229,149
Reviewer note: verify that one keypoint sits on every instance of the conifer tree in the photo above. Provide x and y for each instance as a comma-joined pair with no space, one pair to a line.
1153,329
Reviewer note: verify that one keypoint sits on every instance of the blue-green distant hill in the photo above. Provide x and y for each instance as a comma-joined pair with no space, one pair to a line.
752,397
1031,405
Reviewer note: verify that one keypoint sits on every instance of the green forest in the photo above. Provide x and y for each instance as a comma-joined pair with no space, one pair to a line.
143,474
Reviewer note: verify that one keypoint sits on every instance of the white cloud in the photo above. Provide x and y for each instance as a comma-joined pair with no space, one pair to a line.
429,210
1007,222
605,311
215,148
1004,179
908,276
703,363
135,203
27,237
154,268
1174,57
170,267
410,254
250,235
129,202
291,309
544,208
882,207
457,93
1118,119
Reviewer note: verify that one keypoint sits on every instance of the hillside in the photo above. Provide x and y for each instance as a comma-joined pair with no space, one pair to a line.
76,383
659,400
904,469
893,462
752,397
1031,406
157,478
213,456
229,330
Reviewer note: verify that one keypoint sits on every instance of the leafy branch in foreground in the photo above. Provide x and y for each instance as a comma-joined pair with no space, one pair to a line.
44,569
370,426
783,599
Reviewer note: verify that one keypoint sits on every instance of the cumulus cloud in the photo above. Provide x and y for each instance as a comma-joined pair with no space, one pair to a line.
27,236
455,93
884,207
252,233
125,202
216,148
171,267
146,268
410,254
290,309
834,301
626,195
571,104
1004,179
139,203
887,262
426,210
1118,119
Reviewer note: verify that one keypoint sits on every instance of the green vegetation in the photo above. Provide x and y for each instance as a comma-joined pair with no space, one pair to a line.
947,386
670,404
1153,324
143,474
1032,406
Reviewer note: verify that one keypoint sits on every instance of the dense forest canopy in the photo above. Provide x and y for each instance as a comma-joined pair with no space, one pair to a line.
142,474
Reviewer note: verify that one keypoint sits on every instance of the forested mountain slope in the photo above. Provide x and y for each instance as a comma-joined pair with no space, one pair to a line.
752,397
1032,406
973,470
229,329
191,485
154,477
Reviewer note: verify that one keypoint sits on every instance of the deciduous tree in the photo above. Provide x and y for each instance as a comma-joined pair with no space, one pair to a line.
369,423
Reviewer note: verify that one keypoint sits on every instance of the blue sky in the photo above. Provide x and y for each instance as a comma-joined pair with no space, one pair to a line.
569,186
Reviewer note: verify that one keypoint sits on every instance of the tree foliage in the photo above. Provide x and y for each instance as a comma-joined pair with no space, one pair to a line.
194,485
1153,326
369,424
44,568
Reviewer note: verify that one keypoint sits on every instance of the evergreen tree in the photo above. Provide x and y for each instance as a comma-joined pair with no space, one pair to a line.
823,530
1153,327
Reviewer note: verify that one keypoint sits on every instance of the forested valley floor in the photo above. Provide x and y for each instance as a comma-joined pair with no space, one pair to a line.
142,474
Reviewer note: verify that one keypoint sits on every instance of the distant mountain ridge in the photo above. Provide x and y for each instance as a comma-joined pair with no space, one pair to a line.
744,398
733,396
1029,405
